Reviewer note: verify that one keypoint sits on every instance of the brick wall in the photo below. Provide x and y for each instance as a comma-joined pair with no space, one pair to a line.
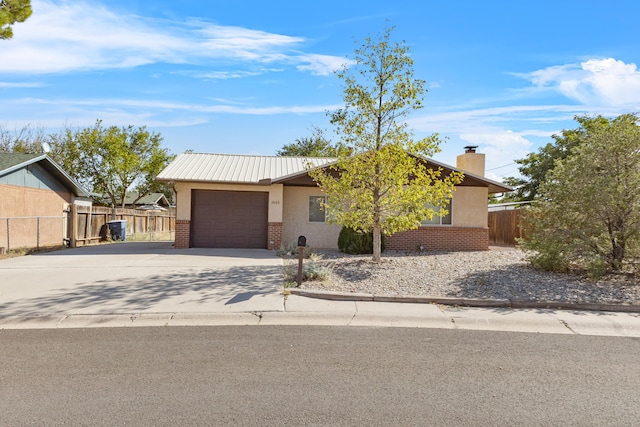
274,239
440,239
183,229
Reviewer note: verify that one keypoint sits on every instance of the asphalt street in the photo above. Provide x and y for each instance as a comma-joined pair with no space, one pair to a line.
308,375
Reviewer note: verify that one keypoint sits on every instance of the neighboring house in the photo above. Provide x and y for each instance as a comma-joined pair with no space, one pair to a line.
153,200
235,201
157,201
35,199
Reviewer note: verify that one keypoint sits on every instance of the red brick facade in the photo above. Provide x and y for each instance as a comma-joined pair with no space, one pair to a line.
440,239
274,238
183,230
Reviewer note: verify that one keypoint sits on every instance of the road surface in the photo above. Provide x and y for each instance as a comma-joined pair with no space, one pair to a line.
338,376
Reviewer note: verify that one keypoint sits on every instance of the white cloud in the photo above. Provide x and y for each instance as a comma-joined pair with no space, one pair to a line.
500,146
603,82
322,65
106,105
243,43
64,36
20,85
225,75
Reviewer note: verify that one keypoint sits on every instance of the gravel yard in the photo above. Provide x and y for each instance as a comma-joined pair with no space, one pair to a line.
499,273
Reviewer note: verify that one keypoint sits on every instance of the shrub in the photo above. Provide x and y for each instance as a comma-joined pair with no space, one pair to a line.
314,273
356,242
292,251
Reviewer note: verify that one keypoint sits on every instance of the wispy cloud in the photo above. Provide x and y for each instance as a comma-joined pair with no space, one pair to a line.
65,36
20,85
322,65
163,106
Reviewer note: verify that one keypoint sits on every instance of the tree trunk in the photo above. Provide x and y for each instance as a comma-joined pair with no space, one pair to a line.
377,243
617,255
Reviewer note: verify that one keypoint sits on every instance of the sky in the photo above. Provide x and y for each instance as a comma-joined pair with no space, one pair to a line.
247,77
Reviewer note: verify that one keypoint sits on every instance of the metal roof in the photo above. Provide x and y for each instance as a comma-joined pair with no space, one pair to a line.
244,169
231,168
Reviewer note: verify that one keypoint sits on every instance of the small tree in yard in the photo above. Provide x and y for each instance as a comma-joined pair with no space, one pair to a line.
380,182
589,207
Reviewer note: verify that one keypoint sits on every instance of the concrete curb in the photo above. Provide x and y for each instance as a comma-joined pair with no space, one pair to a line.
468,302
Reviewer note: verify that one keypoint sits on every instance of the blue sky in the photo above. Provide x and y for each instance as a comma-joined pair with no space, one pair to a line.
247,77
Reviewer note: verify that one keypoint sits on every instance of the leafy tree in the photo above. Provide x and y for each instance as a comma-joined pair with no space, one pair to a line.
588,210
12,11
314,146
534,168
380,183
112,160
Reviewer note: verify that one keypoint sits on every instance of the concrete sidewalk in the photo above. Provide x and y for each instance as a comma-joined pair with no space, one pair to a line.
298,310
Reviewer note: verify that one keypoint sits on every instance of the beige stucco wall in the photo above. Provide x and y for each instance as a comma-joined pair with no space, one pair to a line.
25,201
470,207
290,206
296,220
183,198
18,202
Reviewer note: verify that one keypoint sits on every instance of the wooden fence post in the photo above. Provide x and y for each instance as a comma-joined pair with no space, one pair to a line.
74,226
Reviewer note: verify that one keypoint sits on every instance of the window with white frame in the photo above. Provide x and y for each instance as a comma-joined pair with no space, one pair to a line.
439,220
316,209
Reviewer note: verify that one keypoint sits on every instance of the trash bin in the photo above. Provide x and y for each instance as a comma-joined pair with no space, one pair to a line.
118,229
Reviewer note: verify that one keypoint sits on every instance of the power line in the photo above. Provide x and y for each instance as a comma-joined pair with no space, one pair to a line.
500,167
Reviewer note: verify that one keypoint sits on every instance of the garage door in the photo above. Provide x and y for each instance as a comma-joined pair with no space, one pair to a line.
229,219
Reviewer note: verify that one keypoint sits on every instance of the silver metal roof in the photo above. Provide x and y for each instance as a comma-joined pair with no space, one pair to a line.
233,168
245,169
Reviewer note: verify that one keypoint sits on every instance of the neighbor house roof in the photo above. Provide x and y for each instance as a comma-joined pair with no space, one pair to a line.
10,162
242,169
148,199
239,169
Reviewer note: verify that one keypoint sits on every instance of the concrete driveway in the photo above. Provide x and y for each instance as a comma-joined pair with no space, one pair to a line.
141,277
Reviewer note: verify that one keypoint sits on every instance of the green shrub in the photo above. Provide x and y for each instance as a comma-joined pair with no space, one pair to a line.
312,272
356,242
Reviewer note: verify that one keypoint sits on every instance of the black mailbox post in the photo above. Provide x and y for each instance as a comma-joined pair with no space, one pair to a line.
302,243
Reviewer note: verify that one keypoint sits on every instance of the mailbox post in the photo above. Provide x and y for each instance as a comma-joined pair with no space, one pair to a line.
302,243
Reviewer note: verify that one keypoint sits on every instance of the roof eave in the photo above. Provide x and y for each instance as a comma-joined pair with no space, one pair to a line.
77,190
283,179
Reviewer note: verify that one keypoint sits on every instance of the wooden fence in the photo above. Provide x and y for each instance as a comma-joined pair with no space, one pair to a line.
89,223
505,226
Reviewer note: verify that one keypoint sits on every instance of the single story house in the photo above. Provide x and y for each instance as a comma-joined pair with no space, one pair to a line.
243,201
36,195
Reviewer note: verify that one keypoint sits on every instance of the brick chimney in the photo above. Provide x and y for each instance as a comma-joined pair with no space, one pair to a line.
471,161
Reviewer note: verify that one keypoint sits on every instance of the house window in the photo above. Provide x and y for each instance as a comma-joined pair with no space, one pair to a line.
439,220
316,209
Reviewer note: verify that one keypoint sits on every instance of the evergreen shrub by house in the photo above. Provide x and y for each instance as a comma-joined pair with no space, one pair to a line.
356,242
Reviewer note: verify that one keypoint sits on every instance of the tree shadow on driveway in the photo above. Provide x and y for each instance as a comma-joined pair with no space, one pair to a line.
195,290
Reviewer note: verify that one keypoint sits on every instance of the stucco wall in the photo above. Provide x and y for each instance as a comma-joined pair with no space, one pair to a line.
296,220
183,197
470,207
19,202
